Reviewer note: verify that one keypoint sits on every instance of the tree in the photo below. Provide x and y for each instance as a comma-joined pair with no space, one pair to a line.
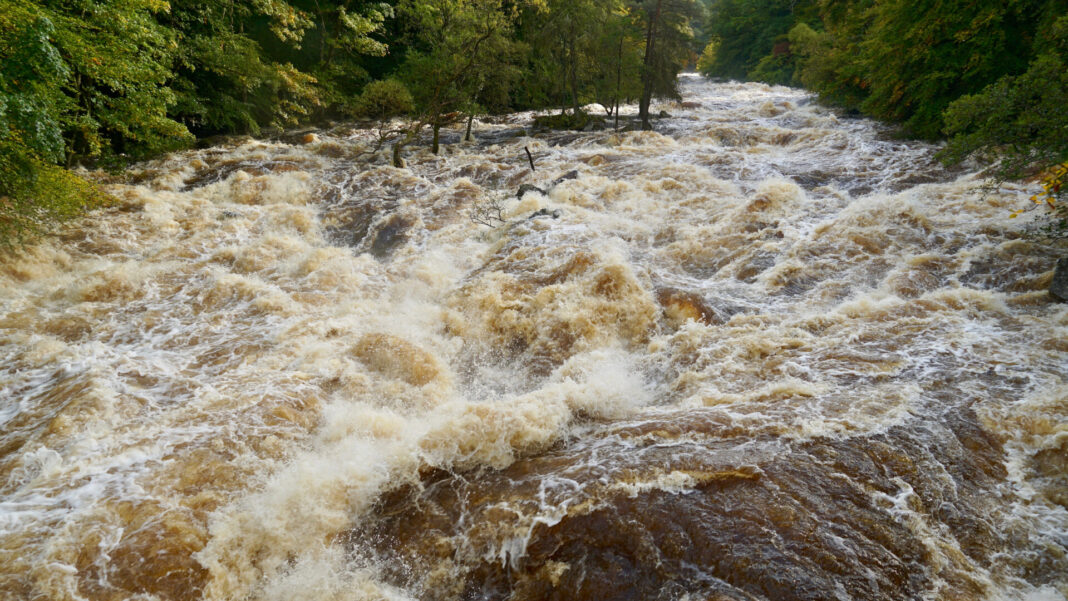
745,33
1020,123
668,38
336,49
458,48
36,111
224,80
920,56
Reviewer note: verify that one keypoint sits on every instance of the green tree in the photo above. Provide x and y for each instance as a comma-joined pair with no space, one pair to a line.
34,193
920,56
668,39
224,80
617,59
119,58
336,48
746,33
458,48
828,59
1019,122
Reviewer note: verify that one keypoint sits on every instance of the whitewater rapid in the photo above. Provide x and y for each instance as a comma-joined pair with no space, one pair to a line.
764,352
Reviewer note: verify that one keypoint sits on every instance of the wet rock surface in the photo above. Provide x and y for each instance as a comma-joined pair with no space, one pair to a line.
722,518
1058,288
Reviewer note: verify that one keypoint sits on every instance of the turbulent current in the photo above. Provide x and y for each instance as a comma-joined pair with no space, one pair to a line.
763,352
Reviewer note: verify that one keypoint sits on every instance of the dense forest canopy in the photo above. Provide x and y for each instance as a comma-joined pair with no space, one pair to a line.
990,76
103,82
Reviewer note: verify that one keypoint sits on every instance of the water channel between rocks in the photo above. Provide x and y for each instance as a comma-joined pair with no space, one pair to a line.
764,352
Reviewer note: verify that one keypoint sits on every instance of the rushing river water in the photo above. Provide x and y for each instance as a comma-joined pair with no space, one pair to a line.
765,352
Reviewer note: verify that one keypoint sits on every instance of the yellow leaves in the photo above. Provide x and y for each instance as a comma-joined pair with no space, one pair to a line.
1053,181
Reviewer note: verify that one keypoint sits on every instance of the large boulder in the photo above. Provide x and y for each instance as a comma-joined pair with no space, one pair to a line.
1058,288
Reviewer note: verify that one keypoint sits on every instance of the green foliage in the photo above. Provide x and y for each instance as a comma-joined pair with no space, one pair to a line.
460,49
776,68
669,21
706,63
31,73
920,56
44,196
384,99
347,42
828,58
575,47
747,31
1020,121
225,80
119,58
33,193
1020,118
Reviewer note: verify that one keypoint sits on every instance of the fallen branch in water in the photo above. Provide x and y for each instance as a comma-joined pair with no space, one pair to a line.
489,213
530,158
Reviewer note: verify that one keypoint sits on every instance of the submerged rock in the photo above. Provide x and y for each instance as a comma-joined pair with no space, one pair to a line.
573,174
575,122
397,358
555,213
680,305
1058,288
392,234
523,189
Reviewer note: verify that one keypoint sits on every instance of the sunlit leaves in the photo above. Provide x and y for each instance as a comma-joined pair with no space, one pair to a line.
34,194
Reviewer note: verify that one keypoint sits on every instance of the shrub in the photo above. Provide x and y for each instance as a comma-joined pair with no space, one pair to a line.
384,99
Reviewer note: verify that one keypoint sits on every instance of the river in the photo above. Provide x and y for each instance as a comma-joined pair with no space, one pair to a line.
766,351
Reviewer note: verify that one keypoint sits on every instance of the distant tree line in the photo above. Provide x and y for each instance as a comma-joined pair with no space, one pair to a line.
990,76
103,82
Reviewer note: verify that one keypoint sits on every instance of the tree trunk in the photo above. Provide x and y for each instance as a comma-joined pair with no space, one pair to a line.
470,120
619,76
398,162
574,76
647,67
436,146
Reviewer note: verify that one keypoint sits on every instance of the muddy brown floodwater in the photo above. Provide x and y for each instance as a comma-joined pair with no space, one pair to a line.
764,352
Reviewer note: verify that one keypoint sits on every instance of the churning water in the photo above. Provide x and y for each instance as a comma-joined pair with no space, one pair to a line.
765,352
